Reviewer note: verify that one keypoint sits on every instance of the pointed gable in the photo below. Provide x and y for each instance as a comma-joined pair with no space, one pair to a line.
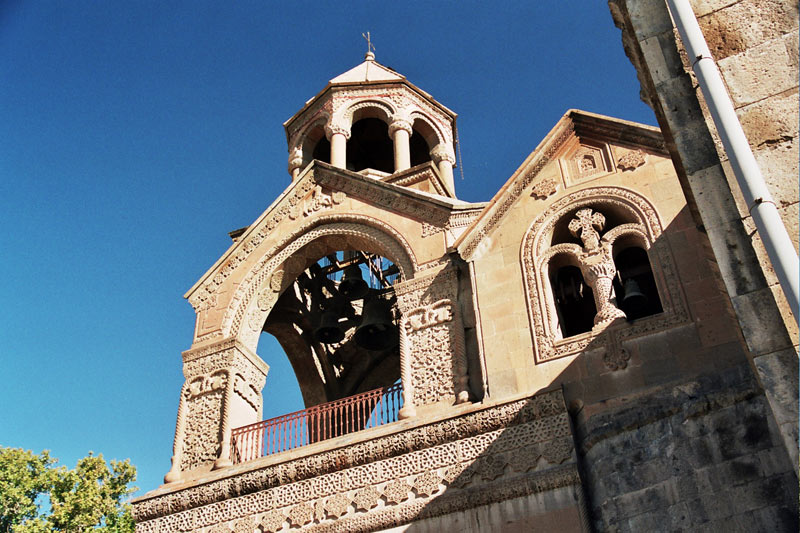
368,71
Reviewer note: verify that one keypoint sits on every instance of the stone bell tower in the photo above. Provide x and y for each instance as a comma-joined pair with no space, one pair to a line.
560,358
372,120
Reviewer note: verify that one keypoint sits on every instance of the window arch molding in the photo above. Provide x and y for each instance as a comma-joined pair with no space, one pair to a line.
638,225
260,289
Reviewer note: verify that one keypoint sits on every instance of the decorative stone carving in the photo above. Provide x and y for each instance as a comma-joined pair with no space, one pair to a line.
366,498
509,197
362,232
332,129
597,264
271,522
545,188
295,159
631,160
204,410
537,251
427,483
442,152
434,332
450,446
337,505
316,201
301,514
396,491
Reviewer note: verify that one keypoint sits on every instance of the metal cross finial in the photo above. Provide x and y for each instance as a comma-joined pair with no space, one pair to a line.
370,46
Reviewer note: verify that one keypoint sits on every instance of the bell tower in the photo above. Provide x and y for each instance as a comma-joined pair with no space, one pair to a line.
372,120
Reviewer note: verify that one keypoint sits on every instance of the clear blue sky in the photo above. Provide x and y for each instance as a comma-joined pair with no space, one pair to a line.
135,135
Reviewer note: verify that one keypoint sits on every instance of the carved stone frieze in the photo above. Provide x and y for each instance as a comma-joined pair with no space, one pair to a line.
440,452
437,359
316,201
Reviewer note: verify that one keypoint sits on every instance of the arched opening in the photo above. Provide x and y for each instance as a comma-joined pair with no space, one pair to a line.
370,146
337,324
634,284
316,145
421,142
574,300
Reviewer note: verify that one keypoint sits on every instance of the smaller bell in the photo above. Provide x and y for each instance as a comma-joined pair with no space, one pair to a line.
353,285
329,331
633,301
377,330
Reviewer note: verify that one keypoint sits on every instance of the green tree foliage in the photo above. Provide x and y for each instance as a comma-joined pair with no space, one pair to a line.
90,496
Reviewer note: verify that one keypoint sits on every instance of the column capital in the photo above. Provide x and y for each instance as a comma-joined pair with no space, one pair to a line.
332,129
295,159
400,123
442,152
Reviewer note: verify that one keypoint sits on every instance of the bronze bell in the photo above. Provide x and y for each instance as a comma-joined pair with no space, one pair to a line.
633,300
377,330
329,331
353,285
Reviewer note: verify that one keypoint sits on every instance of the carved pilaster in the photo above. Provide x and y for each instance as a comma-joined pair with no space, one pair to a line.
434,334
211,405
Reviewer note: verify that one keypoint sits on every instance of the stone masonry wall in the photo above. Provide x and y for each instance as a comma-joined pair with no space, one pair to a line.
755,44
700,455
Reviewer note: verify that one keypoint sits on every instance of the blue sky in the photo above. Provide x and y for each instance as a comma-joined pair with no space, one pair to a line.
135,135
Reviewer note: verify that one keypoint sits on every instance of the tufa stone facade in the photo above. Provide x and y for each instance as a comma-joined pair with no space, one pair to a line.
571,354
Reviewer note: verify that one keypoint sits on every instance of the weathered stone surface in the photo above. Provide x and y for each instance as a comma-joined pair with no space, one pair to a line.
759,72
758,310
771,122
727,36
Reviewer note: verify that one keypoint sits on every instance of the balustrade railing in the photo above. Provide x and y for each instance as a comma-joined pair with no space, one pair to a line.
324,421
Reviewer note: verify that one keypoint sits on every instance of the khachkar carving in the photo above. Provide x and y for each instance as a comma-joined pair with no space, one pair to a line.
433,361
597,264
537,251
498,453
632,160
220,379
316,201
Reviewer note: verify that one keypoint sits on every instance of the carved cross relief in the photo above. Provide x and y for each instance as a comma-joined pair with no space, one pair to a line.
596,263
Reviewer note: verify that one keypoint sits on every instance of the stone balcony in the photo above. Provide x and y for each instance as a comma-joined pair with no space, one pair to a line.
449,468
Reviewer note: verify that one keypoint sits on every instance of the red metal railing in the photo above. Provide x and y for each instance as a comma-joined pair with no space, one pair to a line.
324,421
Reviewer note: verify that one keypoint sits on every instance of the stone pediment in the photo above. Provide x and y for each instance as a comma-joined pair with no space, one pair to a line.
321,189
579,144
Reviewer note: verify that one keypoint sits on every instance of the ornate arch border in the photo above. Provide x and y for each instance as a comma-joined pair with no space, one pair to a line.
262,285
536,252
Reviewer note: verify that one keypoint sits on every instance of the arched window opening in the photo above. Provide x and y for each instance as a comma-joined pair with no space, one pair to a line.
316,145
634,284
420,151
370,146
421,142
337,323
574,300
322,150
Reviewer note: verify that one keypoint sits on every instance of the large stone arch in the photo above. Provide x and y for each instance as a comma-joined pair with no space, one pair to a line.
537,249
277,268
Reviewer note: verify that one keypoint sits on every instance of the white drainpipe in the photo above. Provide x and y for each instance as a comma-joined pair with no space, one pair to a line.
759,201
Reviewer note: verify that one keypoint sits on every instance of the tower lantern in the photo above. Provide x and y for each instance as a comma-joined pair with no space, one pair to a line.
372,120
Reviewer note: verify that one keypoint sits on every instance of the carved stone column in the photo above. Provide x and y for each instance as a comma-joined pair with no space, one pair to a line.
222,391
432,350
400,130
295,162
338,136
445,159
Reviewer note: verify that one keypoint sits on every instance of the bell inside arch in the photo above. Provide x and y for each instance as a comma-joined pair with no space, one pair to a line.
329,331
377,330
633,300
353,285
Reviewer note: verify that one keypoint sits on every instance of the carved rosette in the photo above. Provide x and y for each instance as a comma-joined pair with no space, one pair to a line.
221,378
432,338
